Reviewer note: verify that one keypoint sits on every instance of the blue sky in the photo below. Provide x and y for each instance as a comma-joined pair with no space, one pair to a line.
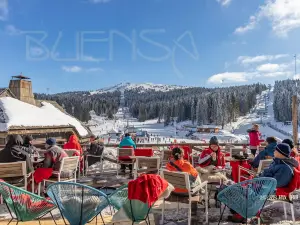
66,45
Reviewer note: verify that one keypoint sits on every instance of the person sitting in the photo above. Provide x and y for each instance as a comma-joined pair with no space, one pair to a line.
74,144
282,168
14,152
267,153
95,149
127,142
210,160
292,146
54,156
181,165
28,146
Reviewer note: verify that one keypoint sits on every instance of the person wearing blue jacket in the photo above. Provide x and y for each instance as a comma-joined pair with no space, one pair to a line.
267,153
282,168
127,141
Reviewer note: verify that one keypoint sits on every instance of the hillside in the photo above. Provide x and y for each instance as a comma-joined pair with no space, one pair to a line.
141,88
165,102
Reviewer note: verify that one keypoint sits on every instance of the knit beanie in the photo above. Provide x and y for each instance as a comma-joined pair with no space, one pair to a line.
214,141
284,149
51,141
289,142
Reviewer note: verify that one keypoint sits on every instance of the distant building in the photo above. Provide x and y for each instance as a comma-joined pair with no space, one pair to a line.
208,129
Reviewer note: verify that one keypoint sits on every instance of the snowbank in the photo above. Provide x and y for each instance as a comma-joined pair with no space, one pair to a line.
14,112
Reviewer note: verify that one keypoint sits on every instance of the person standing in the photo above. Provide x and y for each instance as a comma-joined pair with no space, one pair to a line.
254,138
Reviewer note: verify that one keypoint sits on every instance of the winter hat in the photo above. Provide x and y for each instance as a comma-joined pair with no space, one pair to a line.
214,141
284,149
289,142
51,141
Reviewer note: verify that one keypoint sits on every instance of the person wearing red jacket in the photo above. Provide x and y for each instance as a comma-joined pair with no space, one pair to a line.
210,160
73,143
254,138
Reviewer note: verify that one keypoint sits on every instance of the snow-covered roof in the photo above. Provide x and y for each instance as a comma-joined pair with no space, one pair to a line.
14,112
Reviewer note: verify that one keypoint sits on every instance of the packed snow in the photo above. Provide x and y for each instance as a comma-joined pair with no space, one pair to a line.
139,87
14,112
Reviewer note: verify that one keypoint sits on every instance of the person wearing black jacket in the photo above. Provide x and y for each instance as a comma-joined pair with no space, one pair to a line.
14,152
95,149
27,143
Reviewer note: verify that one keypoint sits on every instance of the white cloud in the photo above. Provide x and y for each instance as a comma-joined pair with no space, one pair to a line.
3,9
284,16
99,1
90,59
12,30
250,26
72,69
77,69
228,77
278,74
296,77
97,69
224,2
260,58
268,68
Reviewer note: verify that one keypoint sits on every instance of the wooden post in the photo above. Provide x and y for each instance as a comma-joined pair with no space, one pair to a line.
295,119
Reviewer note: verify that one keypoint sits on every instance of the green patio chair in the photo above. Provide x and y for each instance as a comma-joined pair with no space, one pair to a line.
25,205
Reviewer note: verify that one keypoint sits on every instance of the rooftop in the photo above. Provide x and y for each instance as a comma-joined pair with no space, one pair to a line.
15,113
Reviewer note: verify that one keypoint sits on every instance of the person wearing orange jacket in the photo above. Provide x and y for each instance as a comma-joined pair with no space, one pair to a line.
180,165
210,161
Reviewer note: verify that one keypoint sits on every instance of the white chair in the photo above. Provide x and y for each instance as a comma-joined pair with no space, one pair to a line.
68,165
263,164
146,165
124,152
181,180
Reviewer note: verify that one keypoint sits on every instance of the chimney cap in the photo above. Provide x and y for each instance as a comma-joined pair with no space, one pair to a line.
21,77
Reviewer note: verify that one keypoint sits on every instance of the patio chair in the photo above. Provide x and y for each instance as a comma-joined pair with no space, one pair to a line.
25,205
77,203
166,155
146,165
181,180
95,158
14,170
118,198
247,174
123,157
247,198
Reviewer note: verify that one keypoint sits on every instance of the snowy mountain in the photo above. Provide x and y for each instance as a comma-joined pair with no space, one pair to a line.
139,87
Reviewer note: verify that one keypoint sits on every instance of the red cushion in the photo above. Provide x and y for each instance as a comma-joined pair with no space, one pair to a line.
148,152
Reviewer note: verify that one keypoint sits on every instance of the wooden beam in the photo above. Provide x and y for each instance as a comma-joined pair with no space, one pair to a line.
295,118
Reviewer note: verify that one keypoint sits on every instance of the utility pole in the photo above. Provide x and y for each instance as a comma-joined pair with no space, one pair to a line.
295,118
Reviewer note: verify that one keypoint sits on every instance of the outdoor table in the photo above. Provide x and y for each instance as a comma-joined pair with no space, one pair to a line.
37,163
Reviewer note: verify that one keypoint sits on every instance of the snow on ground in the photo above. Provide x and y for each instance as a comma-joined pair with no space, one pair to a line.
14,112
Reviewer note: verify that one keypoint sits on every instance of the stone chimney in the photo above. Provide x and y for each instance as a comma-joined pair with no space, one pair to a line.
21,87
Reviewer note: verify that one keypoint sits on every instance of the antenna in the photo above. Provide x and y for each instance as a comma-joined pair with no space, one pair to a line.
295,65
